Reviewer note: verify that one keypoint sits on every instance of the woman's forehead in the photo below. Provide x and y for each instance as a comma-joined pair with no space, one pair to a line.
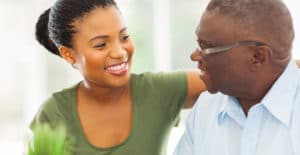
100,19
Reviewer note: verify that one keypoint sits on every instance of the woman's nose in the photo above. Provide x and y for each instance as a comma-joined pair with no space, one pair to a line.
118,52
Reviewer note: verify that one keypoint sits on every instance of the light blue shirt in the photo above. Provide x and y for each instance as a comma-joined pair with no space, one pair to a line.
217,124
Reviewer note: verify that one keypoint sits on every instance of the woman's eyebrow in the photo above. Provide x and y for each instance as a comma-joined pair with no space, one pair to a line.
106,36
123,29
98,37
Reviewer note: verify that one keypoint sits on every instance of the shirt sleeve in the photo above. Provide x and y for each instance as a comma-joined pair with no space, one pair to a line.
40,118
171,92
160,95
185,145
45,115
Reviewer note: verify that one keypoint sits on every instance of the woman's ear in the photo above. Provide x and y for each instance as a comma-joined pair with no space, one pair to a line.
67,54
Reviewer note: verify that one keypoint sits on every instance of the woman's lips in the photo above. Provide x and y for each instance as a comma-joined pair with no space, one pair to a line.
118,69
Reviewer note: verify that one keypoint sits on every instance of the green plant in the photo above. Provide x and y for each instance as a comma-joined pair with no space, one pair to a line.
49,141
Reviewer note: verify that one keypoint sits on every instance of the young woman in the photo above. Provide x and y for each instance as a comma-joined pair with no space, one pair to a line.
111,111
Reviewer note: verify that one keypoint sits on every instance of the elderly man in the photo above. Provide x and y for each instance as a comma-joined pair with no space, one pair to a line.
244,56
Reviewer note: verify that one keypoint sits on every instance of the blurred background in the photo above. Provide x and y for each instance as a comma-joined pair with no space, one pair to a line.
163,32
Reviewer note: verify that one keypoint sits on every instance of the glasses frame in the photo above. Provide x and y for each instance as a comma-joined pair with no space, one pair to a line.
224,48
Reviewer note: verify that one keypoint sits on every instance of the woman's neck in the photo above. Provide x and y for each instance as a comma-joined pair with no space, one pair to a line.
103,95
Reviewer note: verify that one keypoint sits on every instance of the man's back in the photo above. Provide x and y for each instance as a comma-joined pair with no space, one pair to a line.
218,125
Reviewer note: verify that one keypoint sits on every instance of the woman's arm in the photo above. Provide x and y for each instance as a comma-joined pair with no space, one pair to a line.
195,87
298,63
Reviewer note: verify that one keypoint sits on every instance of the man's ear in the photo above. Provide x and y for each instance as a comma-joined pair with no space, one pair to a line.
67,54
260,55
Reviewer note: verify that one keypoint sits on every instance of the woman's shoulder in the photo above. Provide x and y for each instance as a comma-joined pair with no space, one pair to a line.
58,107
61,100
163,82
65,94
158,76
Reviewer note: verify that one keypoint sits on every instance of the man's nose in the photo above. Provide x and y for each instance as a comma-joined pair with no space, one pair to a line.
196,55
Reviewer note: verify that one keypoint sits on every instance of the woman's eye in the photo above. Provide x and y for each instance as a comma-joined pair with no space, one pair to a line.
124,38
100,45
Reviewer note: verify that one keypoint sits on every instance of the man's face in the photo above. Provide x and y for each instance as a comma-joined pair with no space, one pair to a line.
225,71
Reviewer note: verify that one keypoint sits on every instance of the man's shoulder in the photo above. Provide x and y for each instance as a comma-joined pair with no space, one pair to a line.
296,94
210,101
208,105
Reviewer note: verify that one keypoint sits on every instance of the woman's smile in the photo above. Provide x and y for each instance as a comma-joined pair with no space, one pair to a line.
117,69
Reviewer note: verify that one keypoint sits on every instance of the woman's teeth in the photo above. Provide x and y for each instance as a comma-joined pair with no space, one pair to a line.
116,67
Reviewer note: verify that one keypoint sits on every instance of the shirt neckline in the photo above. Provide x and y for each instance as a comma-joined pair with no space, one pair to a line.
80,130
278,101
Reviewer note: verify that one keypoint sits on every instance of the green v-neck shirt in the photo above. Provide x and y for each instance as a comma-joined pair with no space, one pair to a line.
156,99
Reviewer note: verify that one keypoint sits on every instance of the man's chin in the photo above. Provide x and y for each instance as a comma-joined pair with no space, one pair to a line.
212,91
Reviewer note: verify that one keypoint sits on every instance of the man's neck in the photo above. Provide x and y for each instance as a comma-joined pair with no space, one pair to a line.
246,104
258,91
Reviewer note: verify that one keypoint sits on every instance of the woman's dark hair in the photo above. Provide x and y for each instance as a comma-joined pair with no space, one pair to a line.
55,26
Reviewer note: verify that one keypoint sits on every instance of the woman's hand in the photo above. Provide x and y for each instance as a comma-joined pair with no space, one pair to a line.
195,88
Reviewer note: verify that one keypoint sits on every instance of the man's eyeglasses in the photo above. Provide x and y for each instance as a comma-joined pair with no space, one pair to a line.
224,48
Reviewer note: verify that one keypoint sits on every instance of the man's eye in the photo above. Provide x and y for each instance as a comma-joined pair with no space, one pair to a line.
206,46
203,46
100,45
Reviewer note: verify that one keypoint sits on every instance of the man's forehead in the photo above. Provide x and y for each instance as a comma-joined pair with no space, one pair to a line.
208,18
204,24
197,29
213,26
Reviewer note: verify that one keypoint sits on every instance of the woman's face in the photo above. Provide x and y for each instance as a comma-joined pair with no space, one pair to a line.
102,48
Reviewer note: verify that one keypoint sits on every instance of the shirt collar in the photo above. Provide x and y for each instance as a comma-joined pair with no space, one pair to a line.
232,108
222,112
278,101
280,98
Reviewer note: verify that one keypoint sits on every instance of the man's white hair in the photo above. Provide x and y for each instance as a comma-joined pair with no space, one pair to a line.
269,20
